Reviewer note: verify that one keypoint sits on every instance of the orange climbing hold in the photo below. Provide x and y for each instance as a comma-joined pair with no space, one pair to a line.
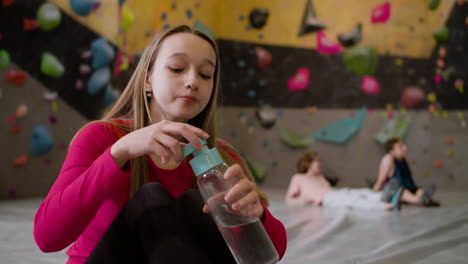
437,163
15,129
21,161
449,140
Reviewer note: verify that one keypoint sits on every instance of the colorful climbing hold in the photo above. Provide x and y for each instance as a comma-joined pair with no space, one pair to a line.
266,116
51,66
437,163
294,140
128,18
258,17
449,140
441,34
83,7
300,80
433,4
310,22
459,85
370,85
361,60
432,98
15,129
103,53
259,172
351,38
41,140
29,24
327,46
98,80
201,27
21,161
6,3
21,111
16,77
84,69
264,57
4,59
48,16
412,97
381,13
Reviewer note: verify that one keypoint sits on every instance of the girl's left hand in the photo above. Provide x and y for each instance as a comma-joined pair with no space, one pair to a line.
243,195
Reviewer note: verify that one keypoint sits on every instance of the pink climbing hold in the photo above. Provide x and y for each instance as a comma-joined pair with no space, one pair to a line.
325,45
437,78
370,85
381,13
300,81
117,64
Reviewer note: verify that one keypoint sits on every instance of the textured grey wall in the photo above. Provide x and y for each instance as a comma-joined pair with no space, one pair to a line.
359,158
37,177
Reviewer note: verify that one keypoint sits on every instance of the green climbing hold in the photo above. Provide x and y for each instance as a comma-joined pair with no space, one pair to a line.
361,60
294,140
48,16
441,34
51,66
4,59
258,171
433,4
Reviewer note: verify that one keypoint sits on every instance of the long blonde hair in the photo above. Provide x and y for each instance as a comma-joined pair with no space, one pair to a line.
133,106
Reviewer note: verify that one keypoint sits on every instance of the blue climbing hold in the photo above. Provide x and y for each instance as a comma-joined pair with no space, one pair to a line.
110,96
103,53
41,140
98,80
83,7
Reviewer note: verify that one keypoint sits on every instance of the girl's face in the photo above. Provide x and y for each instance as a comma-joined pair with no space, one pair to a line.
399,150
315,167
182,78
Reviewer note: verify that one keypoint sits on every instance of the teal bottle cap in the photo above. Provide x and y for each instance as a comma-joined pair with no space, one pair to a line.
204,159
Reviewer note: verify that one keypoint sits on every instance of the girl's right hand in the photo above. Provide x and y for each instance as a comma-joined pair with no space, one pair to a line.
164,139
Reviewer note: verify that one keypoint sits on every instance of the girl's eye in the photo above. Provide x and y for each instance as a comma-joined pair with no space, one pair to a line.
205,76
176,70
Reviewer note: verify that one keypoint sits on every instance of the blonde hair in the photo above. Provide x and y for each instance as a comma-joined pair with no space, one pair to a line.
133,106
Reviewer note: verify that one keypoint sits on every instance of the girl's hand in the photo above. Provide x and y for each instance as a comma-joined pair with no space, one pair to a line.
243,195
164,139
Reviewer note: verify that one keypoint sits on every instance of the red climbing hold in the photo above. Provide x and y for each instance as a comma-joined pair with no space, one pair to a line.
29,24
16,77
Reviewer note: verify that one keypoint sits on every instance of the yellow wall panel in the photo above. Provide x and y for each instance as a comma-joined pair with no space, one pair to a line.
393,37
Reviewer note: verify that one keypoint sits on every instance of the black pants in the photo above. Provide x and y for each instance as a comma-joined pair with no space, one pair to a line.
153,227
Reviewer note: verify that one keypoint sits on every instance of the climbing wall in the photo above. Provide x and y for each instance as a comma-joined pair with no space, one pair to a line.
337,77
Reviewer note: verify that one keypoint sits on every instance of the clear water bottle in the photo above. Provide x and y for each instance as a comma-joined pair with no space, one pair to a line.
245,236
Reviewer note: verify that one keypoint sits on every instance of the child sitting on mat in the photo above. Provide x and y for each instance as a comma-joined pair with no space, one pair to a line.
394,172
309,186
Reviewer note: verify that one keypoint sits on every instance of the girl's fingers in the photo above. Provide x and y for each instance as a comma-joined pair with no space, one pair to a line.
235,171
241,188
161,151
171,144
189,132
247,201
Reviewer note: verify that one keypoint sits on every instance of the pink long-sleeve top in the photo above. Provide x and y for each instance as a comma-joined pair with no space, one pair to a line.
90,190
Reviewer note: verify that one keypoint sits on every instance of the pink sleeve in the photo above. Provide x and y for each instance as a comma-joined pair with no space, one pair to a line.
276,231
88,177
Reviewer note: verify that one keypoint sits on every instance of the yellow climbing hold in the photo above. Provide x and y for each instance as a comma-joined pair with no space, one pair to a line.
127,18
432,98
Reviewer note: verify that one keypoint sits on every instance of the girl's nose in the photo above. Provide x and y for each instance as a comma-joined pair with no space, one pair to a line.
192,80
